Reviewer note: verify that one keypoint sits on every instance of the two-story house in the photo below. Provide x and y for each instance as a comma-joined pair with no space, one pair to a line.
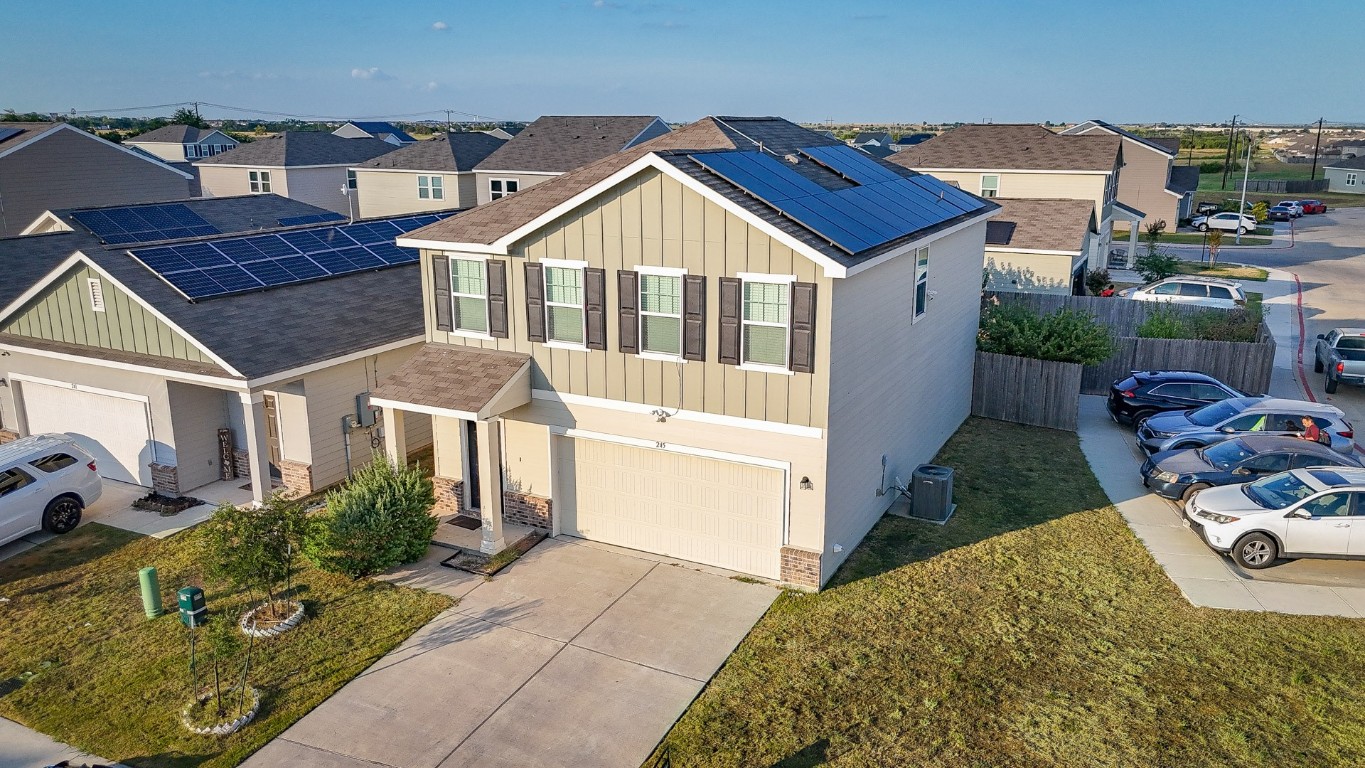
309,166
1346,176
1030,161
56,165
183,143
556,144
725,345
1040,246
433,175
1151,181
363,129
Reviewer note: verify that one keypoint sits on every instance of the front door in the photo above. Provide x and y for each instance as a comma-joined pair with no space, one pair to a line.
471,450
1328,532
272,432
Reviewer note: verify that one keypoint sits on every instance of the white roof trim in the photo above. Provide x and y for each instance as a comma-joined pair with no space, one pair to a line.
192,378
45,219
268,167
69,127
1038,251
429,410
430,172
1124,211
522,173
930,170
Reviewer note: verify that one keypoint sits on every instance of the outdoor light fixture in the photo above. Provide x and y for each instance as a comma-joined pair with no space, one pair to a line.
806,484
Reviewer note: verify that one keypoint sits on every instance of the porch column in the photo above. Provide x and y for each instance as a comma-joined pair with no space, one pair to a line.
1132,244
258,449
395,437
490,486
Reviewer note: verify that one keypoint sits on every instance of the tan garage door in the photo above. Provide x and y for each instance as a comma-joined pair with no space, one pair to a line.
113,429
721,513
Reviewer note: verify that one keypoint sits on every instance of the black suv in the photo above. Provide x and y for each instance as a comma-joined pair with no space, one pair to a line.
1144,393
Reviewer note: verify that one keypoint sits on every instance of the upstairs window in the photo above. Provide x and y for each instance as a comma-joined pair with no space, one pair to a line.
990,185
350,179
469,295
1350,179
921,281
564,305
258,181
661,314
766,313
429,188
500,188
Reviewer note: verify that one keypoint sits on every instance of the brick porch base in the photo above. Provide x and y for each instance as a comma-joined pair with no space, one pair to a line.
800,567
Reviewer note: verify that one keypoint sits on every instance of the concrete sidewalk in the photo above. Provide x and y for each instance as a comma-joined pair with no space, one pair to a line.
1205,577
22,747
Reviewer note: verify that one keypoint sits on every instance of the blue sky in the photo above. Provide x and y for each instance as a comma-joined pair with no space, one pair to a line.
848,61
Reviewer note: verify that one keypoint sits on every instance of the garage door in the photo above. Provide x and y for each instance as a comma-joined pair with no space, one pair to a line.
704,510
113,429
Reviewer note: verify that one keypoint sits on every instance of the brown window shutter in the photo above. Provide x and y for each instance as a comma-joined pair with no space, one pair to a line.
731,304
803,327
628,288
440,294
595,303
694,317
497,299
535,301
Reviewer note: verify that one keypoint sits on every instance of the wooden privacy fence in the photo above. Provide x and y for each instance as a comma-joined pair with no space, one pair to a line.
1041,393
1245,365
1283,185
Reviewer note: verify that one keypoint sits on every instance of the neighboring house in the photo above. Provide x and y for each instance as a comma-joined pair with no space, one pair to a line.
872,138
1148,182
182,143
175,393
877,150
556,144
433,175
1342,176
309,166
505,132
644,353
1029,161
827,134
55,165
374,130
910,140
1040,246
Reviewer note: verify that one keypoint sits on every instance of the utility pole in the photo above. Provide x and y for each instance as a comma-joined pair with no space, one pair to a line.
1242,209
1313,174
448,113
1227,156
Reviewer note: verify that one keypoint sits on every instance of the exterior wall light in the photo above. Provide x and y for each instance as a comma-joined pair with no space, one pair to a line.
806,484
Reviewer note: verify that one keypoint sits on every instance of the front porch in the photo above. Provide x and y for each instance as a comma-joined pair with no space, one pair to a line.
1124,258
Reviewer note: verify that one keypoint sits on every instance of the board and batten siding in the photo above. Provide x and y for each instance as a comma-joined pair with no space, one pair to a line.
63,313
897,388
394,193
654,220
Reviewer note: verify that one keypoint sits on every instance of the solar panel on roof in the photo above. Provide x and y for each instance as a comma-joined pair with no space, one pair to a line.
851,163
5,133
145,223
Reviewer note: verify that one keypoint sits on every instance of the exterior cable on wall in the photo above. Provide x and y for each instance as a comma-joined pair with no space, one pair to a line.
662,414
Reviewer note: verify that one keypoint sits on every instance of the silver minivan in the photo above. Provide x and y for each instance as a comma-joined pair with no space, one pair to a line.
46,482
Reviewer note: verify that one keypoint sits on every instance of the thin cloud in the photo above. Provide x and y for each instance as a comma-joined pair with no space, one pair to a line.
373,73
440,26
232,74
431,86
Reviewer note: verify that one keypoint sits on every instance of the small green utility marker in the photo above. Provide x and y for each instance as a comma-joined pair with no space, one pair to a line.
151,592
192,610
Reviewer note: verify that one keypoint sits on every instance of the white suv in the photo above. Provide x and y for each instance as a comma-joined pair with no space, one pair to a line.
1228,220
46,482
1199,291
1317,512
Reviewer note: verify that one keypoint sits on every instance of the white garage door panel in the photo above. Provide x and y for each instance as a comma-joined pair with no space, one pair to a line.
113,429
705,510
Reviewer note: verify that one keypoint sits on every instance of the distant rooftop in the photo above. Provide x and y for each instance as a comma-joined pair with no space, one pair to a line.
450,152
560,143
1013,147
302,148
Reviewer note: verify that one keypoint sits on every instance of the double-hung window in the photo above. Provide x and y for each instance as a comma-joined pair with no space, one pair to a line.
500,188
350,179
766,321
259,181
921,281
429,188
1350,179
661,311
191,151
990,185
564,303
469,295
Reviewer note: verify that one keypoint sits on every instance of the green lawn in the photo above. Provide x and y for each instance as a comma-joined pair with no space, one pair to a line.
1229,271
111,682
1197,238
1032,630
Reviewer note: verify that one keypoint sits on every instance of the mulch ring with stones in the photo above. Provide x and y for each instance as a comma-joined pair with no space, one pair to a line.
487,565
166,506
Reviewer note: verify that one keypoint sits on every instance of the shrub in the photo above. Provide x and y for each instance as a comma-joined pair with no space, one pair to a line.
1211,166
1156,265
1164,322
380,518
254,548
1167,322
1096,280
1065,335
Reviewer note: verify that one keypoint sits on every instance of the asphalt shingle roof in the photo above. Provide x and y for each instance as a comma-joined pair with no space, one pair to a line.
378,128
26,133
173,134
1184,178
452,376
1042,224
1354,163
449,152
1169,146
1013,147
558,143
299,148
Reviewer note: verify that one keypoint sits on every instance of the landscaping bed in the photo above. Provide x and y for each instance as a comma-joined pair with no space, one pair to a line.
1032,630
95,673
487,565
166,506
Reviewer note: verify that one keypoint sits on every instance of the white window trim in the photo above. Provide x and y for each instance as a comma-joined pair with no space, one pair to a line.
504,192
759,277
262,185
995,189
917,312
352,179
582,267
450,276
1350,179
645,354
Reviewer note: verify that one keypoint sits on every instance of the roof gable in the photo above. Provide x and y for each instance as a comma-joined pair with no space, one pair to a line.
1041,225
35,132
995,146
1350,164
1159,146
450,152
301,149
558,143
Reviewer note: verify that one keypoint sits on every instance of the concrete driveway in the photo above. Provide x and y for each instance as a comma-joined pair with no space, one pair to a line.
578,654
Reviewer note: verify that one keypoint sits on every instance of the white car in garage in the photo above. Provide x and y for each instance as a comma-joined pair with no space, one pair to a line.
46,482
1229,221
1317,512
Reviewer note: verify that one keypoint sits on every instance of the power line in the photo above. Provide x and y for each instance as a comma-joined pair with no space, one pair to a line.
290,115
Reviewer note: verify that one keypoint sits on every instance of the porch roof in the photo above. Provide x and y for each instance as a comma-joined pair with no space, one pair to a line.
457,381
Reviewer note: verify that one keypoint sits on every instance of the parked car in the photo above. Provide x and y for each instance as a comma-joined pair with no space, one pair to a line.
1147,393
1183,473
1299,513
1230,221
1191,289
46,482
1340,356
1293,205
1313,206
1280,213
1239,416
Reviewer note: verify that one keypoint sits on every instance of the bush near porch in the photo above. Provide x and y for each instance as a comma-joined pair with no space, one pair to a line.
1032,630
112,682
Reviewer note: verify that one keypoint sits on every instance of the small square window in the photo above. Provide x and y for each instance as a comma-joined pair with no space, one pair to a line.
990,185
258,182
350,179
430,188
500,188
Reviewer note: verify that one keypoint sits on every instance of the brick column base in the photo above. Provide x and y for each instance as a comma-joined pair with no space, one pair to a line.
8,436
801,567
297,477
449,496
525,509
165,479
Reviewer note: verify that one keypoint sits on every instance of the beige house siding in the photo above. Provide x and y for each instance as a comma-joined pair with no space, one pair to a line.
70,169
391,193
63,313
654,220
229,181
524,180
171,152
1022,184
1030,272
1142,184
898,388
199,413
319,186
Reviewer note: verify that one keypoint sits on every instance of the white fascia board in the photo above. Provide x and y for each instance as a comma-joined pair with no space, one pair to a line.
450,247
429,410
567,399
219,382
1035,251
920,242
361,169
930,170
48,218
263,167
522,173
303,370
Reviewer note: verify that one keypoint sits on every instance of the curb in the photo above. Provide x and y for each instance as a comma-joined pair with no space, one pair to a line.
1299,370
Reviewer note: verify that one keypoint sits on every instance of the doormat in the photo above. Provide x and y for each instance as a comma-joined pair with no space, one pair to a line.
484,565
466,522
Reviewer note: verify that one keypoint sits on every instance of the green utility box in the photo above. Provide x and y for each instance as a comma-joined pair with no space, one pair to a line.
192,610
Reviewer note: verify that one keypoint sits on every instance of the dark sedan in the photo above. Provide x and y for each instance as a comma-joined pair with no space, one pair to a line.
1180,474
1280,213
1145,393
